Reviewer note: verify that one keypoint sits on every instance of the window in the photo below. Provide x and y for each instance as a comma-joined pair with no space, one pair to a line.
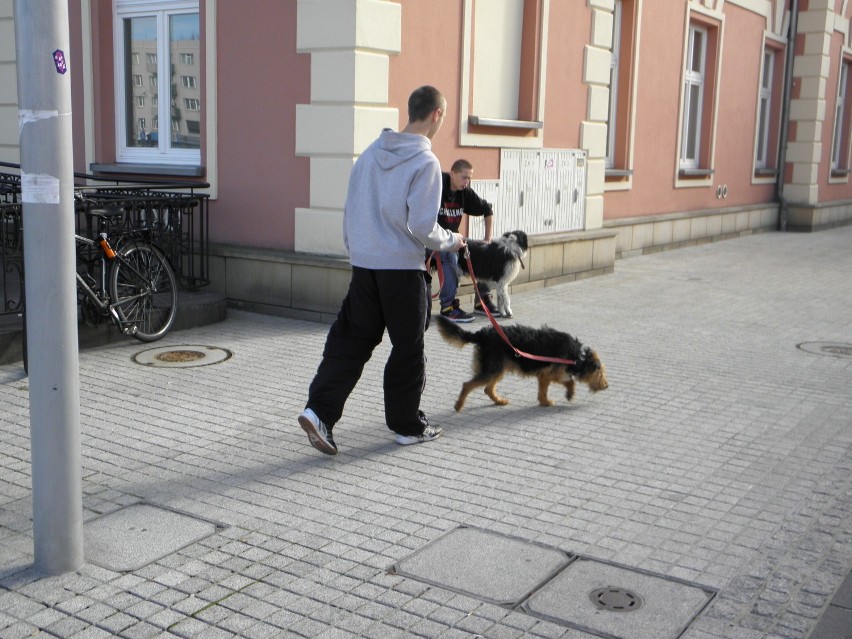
764,110
187,58
162,33
612,120
502,78
842,111
498,40
697,125
189,81
769,110
693,96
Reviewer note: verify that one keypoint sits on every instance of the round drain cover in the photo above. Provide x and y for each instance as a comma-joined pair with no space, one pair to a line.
615,599
182,356
837,349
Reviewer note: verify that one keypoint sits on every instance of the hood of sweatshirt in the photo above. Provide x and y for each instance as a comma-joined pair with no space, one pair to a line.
392,148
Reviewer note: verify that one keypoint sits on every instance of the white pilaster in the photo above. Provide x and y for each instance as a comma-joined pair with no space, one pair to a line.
808,108
593,130
350,42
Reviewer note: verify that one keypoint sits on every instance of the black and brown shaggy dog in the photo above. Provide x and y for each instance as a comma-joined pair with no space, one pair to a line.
498,262
493,358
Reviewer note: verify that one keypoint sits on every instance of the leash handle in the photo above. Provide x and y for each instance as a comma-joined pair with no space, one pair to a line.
499,329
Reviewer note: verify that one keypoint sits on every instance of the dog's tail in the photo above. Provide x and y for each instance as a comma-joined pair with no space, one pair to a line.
454,333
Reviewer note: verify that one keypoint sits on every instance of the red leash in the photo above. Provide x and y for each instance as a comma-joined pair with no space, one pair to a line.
499,329
439,267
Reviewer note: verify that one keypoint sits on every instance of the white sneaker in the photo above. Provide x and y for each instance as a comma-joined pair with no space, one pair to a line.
318,433
429,433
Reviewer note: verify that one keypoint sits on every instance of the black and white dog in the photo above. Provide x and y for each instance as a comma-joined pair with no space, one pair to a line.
498,262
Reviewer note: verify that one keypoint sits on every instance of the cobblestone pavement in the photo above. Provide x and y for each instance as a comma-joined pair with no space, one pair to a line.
721,454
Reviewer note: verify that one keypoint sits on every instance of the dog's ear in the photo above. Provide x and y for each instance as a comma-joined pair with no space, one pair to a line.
590,359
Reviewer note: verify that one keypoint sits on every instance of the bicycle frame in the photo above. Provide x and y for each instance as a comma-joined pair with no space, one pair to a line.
103,302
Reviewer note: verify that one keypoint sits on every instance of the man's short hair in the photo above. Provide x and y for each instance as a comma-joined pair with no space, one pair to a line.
460,165
423,101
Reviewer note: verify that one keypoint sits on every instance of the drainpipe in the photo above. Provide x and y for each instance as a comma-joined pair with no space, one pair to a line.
785,112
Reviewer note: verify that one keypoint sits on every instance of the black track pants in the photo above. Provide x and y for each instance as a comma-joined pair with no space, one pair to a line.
377,300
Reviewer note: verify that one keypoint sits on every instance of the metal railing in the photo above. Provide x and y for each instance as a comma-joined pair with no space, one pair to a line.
173,216
11,245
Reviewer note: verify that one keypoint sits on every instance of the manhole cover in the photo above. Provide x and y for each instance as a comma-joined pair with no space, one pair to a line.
182,356
576,598
837,349
617,599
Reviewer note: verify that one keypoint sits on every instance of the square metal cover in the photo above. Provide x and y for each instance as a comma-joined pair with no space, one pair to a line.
483,564
641,605
138,535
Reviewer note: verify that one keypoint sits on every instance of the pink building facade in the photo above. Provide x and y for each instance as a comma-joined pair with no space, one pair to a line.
605,128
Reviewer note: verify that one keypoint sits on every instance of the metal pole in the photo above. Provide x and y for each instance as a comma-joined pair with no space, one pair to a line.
47,188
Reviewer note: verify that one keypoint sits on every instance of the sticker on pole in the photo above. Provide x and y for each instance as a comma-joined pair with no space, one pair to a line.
59,61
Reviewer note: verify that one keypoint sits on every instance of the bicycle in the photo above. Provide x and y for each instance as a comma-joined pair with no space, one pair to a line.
131,282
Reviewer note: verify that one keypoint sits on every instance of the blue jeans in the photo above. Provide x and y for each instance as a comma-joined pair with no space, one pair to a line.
450,265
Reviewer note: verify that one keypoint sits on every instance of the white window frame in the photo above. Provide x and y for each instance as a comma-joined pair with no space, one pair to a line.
162,9
839,124
693,79
764,110
612,121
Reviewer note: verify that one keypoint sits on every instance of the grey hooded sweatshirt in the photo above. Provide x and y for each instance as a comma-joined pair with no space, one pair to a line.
392,205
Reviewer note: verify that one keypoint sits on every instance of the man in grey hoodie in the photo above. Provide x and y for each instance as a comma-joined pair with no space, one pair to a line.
390,215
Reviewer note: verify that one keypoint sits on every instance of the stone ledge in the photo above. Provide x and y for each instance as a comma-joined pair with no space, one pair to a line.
654,233
311,287
817,217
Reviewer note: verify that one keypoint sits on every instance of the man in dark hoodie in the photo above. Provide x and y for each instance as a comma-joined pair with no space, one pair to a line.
390,215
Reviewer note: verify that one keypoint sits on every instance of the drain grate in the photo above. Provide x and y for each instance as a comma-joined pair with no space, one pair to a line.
616,599
182,356
836,349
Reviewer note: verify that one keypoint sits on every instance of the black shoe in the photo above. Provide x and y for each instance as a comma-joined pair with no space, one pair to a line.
456,314
492,308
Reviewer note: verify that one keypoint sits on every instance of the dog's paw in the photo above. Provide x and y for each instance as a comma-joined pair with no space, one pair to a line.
546,402
506,314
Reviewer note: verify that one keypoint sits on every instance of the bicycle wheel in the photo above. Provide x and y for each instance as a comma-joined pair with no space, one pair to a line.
144,291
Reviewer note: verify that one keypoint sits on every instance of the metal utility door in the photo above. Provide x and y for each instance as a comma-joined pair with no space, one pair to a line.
491,192
539,191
